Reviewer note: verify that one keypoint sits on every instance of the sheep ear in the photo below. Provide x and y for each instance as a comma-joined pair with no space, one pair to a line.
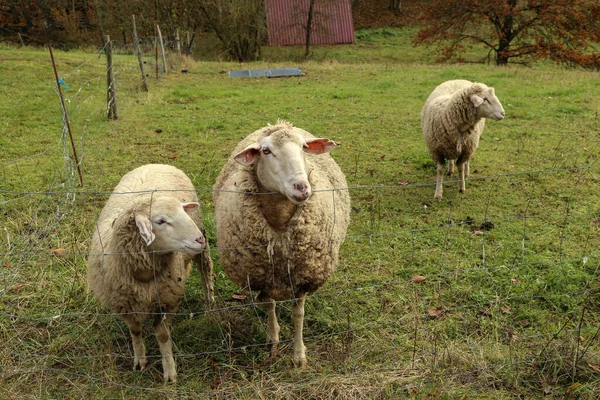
248,155
476,100
145,227
188,207
318,146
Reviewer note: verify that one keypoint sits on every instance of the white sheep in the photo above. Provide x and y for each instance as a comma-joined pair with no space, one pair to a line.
141,252
453,118
281,210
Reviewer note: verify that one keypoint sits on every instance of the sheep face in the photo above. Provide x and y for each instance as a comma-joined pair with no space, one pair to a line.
487,104
281,166
168,227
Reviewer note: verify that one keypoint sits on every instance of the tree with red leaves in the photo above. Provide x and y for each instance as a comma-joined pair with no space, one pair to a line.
560,30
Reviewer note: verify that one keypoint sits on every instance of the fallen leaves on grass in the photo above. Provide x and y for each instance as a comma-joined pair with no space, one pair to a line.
418,279
436,312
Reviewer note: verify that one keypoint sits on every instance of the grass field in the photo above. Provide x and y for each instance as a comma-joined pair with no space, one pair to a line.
509,303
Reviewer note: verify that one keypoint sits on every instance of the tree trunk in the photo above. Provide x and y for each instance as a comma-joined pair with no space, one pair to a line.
394,5
25,14
15,14
309,27
506,32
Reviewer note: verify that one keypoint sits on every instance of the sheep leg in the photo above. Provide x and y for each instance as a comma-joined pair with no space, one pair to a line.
163,336
139,350
450,167
272,327
467,167
439,181
461,176
299,358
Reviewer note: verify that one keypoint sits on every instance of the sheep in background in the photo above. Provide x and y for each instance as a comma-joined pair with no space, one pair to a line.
453,118
281,210
141,252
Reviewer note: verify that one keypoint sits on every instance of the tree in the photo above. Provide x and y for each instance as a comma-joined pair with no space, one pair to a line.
394,5
561,30
309,26
240,26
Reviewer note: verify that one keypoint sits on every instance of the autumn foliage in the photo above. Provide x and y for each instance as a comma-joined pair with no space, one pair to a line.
514,30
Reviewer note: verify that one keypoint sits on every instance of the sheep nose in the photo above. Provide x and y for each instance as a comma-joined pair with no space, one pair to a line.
303,190
201,240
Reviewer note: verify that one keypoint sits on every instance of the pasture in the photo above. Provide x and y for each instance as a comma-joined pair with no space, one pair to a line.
509,299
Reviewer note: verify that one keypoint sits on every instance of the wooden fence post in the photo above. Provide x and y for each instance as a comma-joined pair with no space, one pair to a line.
162,48
66,120
178,41
156,50
111,92
136,45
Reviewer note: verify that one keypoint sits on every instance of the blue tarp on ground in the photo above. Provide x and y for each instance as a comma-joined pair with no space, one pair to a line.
265,73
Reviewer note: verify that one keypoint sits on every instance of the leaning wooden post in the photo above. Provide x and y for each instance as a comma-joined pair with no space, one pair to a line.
21,39
136,45
162,48
65,115
111,92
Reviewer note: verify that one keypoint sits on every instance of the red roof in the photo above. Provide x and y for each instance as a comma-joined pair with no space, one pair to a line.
331,24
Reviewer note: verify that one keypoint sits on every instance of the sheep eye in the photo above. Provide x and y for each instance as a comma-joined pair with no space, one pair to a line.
486,100
266,151
161,221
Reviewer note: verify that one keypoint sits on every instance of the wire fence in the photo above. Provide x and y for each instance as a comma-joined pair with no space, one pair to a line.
505,295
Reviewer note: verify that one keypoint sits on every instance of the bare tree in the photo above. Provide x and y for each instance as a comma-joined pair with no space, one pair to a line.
240,26
394,5
309,24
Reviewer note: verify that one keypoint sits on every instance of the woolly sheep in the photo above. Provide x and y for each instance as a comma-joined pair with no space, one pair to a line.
453,118
281,212
141,252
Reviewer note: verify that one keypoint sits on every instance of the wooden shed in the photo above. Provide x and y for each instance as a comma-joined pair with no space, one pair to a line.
287,20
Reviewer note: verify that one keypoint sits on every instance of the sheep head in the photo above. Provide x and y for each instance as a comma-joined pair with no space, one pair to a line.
486,102
281,166
166,226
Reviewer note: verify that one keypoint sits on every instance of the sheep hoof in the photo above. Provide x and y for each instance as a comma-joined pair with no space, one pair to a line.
437,197
299,362
169,370
273,350
139,363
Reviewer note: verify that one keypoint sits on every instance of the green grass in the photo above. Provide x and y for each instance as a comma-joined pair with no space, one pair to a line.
512,263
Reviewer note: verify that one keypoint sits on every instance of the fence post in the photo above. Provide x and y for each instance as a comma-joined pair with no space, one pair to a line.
162,48
178,41
156,50
111,92
65,115
136,45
